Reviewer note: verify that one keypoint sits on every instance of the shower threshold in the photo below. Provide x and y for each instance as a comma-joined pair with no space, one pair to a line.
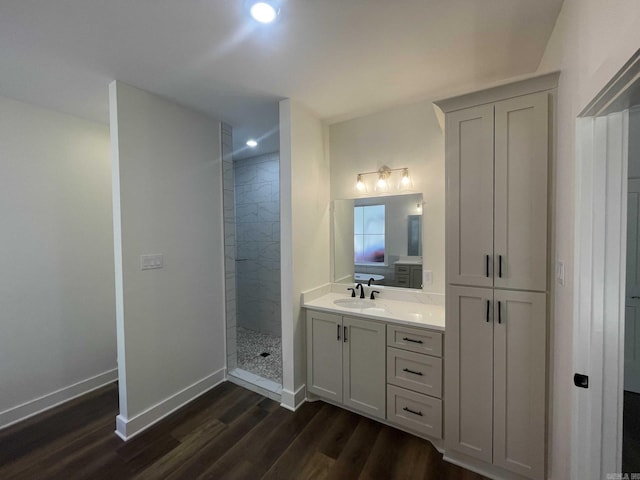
264,386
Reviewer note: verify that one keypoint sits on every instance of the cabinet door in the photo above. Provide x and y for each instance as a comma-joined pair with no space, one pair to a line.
324,355
469,372
364,368
519,382
469,186
521,163
416,277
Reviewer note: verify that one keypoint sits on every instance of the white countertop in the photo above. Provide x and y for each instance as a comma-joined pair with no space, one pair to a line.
408,260
367,276
392,311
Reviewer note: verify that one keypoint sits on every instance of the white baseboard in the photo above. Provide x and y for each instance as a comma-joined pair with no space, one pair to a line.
293,400
38,405
127,428
477,466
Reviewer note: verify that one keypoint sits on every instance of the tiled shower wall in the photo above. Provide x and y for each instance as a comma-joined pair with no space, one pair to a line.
229,243
257,203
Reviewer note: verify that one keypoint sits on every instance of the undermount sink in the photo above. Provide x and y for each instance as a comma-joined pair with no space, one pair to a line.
354,303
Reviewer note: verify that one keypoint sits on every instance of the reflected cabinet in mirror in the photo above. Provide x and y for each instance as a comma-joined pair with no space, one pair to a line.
378,239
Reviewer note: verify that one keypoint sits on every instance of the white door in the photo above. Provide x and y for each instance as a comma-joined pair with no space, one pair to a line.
469,193
632,303
364,366
324,355
521,164
519,389
468,370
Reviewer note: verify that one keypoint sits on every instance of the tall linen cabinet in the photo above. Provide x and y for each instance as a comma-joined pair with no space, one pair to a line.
497,151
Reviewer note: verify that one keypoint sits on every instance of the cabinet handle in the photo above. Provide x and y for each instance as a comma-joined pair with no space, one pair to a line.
345,334
488,307
406,339
407,409
499,312
487,266
500,266
411,371
338,332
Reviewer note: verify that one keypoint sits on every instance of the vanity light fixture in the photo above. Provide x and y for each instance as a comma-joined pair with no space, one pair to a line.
251,143
264,12
383,174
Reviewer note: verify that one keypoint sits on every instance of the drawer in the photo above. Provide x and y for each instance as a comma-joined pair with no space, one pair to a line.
414,411
403,268
401,281
414,371
415,339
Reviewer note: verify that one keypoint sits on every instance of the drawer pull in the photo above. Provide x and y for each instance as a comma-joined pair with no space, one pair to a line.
411,371
406,339
407,409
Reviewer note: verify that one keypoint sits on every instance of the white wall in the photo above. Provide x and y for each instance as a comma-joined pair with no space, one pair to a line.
57,320
304,208
591,41
405,136
342,247
168,200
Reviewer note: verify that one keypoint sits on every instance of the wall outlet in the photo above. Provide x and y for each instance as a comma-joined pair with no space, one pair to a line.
560,272
150,262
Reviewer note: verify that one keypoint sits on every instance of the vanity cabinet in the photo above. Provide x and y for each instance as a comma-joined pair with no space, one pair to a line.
497,146
407,275
387,371
496,170
414,379
495,377
346,361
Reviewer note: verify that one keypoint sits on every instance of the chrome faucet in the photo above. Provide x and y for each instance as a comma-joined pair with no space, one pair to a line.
361,290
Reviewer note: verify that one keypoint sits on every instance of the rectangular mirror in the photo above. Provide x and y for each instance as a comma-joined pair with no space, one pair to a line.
378,238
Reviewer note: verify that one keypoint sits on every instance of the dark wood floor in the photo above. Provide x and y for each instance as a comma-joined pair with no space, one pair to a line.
229,433
631,433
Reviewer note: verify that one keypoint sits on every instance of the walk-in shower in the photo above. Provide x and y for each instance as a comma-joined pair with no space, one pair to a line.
252,254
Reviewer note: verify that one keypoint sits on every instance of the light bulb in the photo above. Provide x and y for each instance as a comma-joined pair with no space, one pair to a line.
382,185
405,177
252,143
359,183
263,12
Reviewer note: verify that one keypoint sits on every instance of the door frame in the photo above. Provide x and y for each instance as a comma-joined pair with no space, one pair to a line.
599,273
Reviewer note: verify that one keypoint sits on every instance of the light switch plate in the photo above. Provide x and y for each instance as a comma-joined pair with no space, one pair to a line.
427,278
560,272
151,261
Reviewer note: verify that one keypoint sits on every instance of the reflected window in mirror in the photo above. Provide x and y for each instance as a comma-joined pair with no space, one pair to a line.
414,235
368,234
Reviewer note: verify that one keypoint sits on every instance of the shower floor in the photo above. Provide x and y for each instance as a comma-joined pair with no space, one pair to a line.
252,346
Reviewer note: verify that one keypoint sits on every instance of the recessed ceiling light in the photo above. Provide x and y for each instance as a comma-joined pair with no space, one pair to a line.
252,143
263,12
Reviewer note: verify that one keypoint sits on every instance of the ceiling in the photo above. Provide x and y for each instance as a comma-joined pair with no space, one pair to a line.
341,58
